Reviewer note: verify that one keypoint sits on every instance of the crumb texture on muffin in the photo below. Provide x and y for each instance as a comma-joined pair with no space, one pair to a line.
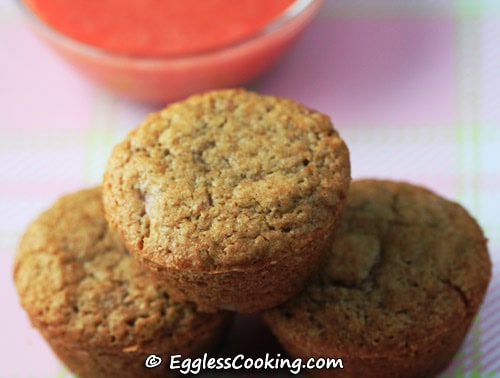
404,278
75,277
225,180
98,309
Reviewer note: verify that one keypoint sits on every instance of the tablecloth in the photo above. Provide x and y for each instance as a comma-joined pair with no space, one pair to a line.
412,86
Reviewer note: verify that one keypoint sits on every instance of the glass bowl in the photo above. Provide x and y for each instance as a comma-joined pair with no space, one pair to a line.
164,79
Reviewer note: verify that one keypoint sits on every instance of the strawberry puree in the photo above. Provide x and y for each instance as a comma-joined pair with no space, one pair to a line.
158,27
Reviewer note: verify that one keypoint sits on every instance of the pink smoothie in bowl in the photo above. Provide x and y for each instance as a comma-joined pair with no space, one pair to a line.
161,50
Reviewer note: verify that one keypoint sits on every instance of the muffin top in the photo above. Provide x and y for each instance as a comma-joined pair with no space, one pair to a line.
226,180
406,264
76,279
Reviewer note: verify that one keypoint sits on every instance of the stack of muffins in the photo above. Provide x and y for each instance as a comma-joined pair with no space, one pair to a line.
229,202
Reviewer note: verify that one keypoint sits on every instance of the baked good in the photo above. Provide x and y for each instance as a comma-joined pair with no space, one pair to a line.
397,293
94,304
229,197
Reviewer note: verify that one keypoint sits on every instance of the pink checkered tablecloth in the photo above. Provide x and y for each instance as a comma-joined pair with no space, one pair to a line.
412,86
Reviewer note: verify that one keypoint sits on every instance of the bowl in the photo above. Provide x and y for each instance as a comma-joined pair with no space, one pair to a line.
164,79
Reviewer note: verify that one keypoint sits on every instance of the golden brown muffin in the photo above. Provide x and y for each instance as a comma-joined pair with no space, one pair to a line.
94,304
397,293
230,197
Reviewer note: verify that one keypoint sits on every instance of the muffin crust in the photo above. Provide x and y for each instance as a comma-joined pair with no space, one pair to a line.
394,298
224,182
96,306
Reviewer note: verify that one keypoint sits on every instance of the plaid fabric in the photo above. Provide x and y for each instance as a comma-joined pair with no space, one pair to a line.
412,86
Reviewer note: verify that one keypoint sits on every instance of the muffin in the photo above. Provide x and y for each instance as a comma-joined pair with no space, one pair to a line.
398,290
230,198
94,304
